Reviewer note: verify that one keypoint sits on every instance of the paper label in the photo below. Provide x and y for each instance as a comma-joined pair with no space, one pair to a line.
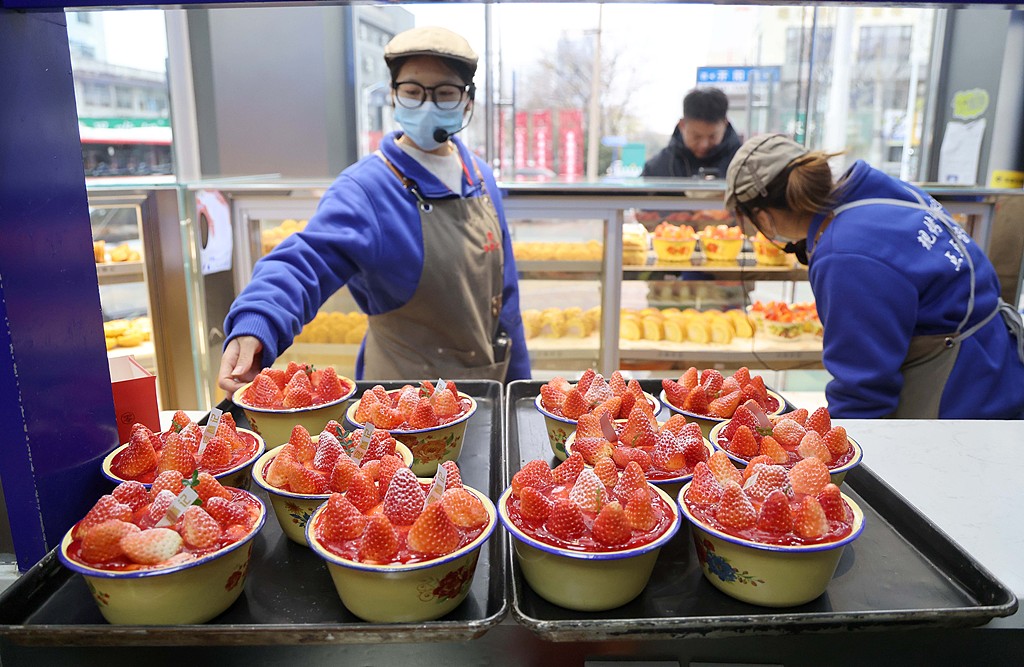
438,387
364,443
185,499
210,430
608,427
437,488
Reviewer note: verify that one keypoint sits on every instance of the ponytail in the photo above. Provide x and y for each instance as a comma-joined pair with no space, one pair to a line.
805,186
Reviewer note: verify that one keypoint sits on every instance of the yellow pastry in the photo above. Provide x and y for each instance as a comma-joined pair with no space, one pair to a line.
129,339
111,342
675,331
115,328
629,329
741,323
698,330
721,330
652,328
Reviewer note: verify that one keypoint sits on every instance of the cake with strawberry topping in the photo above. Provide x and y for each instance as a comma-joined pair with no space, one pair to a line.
182,449
296,386
410,408
710,394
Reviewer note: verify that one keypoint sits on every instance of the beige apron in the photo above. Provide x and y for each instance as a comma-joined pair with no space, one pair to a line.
930,359
448,326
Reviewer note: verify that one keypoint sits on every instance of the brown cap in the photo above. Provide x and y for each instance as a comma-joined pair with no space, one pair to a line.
431,41
756,163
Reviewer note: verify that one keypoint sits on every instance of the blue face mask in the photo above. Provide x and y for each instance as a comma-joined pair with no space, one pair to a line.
420,123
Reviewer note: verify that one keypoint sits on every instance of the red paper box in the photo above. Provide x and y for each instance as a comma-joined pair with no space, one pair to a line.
134,396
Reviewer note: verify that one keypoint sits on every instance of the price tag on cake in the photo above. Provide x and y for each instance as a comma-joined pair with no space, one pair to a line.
438,387
364,443
437,488
210,430
185,499
608,427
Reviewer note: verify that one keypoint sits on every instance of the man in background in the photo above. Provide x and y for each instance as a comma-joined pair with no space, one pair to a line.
703,142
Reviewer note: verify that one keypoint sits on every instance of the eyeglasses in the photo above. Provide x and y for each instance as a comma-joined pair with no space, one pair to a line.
446,96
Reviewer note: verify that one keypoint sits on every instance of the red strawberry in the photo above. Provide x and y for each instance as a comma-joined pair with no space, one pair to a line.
611,527
586,380
362,492
387,418
705,487
138,457
191,435
329,388
788,433
277,472
589,426
675,393
176,455
208,487
170,480
382,395
105,509
743,443
809,519
388,466
534,505
341,475
607,471
262,393
725,405
613,406
626,404
227,512
819,421
199,529
445,403
454,477
735,509
832,503
749,470
625,455
151,547
729,386
694,448
566,472
771,448
757,382
217,455
379,543
367,407
690,378
133,494
102,542
741,376
551,398
592,449
588,492
809,476
433,533
711,380
836,440
381,444
293,367
565,521
723,468
574,405
423,416
639,431
668,452
403,501
278,375
764,480
161,502
799,416
464,509
340,520
328,449
776,517
536,473
298,380
372,468
178,421
811,445
675,424
617,383
307,481
302,445
696,401
639,512
631,479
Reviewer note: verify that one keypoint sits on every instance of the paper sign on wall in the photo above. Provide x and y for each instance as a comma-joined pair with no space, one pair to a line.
213,218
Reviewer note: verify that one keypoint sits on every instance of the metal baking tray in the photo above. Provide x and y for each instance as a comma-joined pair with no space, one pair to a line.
901,572
288,597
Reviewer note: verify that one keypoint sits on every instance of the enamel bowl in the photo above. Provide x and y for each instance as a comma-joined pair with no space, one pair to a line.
185,594
404,593
276,425
707,423
293,510
559,428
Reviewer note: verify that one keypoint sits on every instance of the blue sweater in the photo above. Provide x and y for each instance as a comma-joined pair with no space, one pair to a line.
877,283
365,234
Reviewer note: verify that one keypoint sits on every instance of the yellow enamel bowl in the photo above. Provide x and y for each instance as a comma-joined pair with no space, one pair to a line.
785,576
674,251
404,593
586,581
768,254
237,476
429,446
185,594
559,427
293,510
721,250
838,474
707,423
669,485
276,425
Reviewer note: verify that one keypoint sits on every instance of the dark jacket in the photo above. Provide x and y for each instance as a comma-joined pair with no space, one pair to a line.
679,161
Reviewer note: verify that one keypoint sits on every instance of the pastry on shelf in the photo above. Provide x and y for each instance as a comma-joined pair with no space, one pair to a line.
270,238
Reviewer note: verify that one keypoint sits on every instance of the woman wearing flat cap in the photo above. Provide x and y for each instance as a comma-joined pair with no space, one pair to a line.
417,231
914,324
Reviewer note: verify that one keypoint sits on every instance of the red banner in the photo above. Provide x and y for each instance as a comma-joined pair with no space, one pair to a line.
570,141
542,150
519,141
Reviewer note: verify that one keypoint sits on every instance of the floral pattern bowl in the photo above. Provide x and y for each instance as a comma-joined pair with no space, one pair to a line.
769,575
429,446
400,592
293,510
559,428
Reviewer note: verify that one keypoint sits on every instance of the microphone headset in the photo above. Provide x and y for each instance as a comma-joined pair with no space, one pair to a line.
442,135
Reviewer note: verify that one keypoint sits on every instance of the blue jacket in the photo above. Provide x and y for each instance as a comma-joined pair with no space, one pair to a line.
878,279
365,234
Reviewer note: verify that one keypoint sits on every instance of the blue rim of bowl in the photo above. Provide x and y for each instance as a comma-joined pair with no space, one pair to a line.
469,413
661,540
261,481
858,454
260,450
85,570
236,398
694,415
657,482
654,400
795,549
477,543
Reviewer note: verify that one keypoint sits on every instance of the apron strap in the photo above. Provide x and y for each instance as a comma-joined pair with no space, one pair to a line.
409,185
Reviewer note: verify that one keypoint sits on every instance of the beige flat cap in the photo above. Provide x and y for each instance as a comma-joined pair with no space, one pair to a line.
758,161
430,41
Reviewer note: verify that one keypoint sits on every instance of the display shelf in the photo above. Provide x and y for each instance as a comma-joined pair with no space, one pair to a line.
114,273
